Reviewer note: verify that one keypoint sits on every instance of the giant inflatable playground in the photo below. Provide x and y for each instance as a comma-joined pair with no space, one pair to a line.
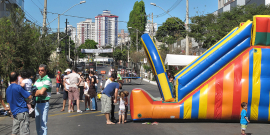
234,70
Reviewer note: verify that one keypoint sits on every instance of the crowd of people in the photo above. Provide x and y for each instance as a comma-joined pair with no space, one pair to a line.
24,93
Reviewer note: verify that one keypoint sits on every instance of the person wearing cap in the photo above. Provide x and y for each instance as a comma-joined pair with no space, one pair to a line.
58,81
106,99
66,88
73,93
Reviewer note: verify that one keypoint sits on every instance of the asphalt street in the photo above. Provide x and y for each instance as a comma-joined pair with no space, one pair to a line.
93,122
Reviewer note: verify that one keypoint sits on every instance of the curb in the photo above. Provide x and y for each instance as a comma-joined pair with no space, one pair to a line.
152,82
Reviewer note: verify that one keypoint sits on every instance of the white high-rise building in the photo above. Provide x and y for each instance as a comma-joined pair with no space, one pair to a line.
149,27
85,30
106,29
71,31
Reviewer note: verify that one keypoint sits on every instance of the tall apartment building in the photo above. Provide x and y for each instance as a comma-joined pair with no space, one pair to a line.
123,37
149,26
106,29
85,30
227,5
71,31
6,5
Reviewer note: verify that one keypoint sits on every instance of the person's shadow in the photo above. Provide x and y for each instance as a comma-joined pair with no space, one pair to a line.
248,133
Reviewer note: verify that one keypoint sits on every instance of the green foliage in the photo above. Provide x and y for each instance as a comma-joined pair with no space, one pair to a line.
120,55
170,30
21,45
147,68
137,20
210,28
62,44
88,44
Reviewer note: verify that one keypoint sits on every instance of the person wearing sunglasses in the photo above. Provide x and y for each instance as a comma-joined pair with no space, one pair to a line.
43,95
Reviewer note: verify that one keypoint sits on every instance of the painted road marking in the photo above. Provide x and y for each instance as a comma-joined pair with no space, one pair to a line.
83,114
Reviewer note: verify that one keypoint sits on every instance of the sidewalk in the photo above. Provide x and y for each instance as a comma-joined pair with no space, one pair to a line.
152,82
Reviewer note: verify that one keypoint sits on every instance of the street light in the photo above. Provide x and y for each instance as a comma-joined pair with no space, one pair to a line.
154,4
136,36
187,43
81,2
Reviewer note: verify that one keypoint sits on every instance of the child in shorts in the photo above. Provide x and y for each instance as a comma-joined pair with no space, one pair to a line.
244,119
126,105
26,83
122,103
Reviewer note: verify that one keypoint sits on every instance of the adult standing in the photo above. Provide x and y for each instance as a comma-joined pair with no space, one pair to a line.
58,81
43,95
81,86
92,91
119,78
96,84
66,88
106,99
111,80
16,96
74,93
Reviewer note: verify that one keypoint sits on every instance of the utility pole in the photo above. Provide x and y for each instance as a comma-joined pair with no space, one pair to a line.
69,49
66,40
44,16
187,42
137,39
152,30
58,36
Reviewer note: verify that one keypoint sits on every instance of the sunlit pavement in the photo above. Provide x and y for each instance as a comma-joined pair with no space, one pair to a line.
93,122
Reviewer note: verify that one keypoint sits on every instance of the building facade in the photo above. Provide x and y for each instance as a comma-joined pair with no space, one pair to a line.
71,31
85,30
149,26
227,5
6,5
106,31
123,37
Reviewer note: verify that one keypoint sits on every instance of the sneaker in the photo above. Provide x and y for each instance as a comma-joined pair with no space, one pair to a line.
87,109
79,111
58,93
69,111
31,110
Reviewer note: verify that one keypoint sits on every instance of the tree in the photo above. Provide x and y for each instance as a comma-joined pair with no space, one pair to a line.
62,44
21,45
137,20
88,44
170,31
210,28
120,55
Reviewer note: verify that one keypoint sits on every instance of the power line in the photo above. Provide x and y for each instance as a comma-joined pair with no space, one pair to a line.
40,3
36,5
170,9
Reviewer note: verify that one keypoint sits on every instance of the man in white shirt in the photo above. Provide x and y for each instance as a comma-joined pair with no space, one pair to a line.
66,88
110,80
73,93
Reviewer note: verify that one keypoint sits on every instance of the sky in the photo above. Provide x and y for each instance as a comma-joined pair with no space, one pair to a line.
121,8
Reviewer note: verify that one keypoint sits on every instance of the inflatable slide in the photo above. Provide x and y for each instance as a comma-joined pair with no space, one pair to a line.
232,71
